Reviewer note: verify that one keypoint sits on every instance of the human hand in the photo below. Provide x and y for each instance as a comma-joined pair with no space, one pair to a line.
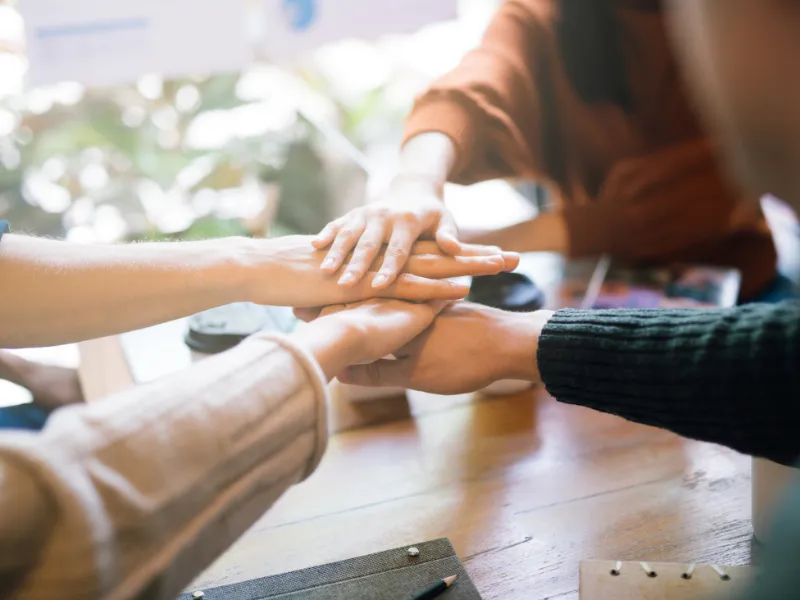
286,272
345,335
412,209
467,348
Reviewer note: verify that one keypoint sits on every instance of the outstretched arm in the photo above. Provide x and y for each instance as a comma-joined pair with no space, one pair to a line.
59,292
481,121
133,496
723,376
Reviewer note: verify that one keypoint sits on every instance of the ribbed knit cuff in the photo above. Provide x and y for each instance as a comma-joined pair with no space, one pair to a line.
437,113
318,381
724,376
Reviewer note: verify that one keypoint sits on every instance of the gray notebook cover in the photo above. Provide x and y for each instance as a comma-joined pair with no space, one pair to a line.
393,575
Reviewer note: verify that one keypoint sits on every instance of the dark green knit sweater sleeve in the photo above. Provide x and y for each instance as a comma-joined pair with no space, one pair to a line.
726,376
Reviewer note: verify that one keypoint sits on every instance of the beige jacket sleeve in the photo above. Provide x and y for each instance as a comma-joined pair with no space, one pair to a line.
133,496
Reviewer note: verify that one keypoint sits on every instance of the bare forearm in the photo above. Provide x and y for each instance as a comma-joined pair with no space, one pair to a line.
544,233
427,158
57,292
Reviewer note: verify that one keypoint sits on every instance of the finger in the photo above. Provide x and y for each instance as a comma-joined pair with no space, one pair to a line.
440,267
366,251
382,373
397,253
419,289
511,259
480,250
447,235
307,314
344,242
426,247
324,238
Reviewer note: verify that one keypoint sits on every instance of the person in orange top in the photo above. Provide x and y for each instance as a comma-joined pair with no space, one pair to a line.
586,96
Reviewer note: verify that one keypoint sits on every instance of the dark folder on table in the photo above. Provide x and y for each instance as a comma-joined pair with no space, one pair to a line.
394,574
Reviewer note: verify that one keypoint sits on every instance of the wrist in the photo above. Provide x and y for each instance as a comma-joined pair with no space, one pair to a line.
418,183
330,343
245,264
429,158
521,332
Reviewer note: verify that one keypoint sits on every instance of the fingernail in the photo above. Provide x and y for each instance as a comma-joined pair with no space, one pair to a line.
348,277
380,279
328,263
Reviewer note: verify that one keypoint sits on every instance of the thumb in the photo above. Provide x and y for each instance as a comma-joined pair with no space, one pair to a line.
447,234
381,373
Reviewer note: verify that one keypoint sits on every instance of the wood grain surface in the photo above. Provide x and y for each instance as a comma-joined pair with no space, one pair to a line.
524,487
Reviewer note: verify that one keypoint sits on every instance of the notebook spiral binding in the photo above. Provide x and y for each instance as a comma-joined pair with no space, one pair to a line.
687,573
640,580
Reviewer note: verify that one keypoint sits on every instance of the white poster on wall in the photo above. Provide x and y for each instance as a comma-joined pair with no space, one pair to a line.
107,42
294,27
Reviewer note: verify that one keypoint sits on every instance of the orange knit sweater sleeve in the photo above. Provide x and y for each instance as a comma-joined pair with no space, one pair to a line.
654,206
487,103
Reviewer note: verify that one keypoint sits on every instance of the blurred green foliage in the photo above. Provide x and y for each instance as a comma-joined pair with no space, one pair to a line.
162,160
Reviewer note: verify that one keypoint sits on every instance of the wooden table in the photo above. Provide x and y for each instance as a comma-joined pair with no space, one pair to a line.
524,487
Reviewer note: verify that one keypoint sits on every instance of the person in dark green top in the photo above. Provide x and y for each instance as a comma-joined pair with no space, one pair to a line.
725,376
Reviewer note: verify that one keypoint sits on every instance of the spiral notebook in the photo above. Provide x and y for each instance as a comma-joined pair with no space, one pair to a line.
618,580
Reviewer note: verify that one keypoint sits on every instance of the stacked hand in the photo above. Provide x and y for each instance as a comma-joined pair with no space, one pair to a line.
443,349
412,210
466,346
362,323
290,273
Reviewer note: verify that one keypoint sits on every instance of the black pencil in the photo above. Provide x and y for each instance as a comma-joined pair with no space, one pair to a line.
437,590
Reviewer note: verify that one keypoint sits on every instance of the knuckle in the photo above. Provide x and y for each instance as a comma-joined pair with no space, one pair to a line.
348,233
396,252
367,245
407,279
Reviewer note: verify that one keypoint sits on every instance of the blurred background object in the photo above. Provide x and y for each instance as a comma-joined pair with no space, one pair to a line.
271,150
